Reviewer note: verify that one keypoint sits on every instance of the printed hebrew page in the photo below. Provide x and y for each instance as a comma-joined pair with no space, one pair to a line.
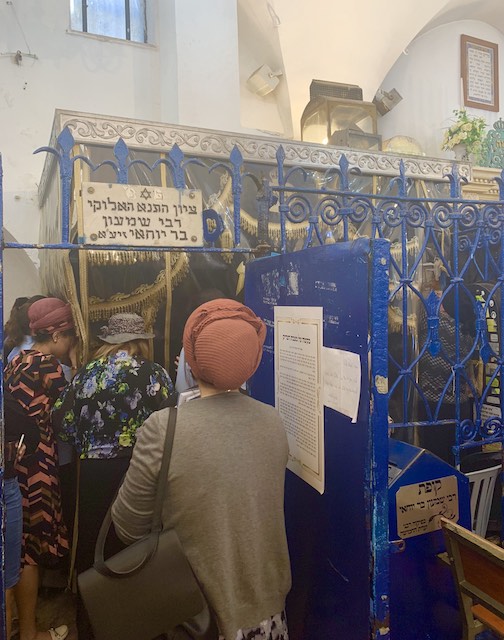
342,381
298,389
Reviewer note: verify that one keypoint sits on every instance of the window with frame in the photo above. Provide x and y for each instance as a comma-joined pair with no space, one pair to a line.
123,19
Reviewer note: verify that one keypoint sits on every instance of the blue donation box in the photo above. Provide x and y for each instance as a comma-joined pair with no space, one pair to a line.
422,487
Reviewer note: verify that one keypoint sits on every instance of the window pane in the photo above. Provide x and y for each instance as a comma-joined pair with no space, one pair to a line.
138,22
106,17
76,15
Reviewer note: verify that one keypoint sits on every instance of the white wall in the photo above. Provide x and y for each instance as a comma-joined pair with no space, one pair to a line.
207,53
189,75
21,277
259,44
427,75
71,72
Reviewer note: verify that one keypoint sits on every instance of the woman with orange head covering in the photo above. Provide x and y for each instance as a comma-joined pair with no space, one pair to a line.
226,477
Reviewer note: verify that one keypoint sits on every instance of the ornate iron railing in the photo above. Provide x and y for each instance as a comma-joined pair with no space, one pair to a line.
445,278
459,241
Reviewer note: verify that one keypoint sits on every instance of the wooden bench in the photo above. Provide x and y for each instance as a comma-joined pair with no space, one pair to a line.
478,570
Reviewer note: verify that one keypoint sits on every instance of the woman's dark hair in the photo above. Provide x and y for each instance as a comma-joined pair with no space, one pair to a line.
41,338
18,324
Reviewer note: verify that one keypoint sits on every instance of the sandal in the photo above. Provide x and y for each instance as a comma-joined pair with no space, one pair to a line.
59,633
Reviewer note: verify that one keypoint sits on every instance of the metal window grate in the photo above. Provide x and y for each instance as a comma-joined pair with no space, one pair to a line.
334,90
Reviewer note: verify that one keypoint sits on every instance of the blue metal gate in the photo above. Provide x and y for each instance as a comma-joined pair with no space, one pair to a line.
429,232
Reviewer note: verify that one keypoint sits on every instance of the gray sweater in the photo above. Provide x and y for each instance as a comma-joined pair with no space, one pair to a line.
225,499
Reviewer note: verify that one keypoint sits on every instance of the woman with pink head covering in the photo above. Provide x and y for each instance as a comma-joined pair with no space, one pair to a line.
35,379
226,478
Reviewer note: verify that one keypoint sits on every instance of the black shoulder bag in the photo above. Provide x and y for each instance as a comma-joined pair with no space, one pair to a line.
148,589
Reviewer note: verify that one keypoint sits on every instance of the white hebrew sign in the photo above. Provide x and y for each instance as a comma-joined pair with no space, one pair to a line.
480,64
138,215
419,506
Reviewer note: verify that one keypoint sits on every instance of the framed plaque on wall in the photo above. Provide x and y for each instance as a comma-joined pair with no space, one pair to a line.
479,68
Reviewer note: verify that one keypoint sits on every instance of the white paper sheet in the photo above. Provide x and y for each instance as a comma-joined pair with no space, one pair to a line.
342,381
298,389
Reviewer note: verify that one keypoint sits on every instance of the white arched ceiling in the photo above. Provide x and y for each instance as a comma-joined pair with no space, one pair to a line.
343,41
489,11
349,42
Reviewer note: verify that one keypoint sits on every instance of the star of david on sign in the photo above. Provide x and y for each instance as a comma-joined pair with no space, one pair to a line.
146,194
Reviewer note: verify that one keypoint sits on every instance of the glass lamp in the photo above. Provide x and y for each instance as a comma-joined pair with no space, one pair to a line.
341,121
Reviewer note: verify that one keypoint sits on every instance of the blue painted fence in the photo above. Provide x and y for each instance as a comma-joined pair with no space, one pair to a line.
460,240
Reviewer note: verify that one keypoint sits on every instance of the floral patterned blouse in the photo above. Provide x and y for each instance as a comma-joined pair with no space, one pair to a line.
106,402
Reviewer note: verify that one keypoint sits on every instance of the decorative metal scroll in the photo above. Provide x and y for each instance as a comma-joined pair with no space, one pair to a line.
91,129
492,152
443,248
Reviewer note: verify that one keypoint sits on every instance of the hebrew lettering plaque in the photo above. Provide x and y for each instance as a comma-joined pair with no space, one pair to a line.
137,215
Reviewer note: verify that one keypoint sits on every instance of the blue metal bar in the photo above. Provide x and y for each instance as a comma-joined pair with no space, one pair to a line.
456,366
378,439
500,182
121,153
404,280
282,207
3,631
118,247
65,143
501,354
379,196
176,158
236,188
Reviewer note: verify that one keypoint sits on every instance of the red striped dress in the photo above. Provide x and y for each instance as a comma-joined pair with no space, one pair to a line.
36,380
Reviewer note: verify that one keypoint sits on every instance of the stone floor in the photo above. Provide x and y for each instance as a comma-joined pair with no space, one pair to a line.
55,607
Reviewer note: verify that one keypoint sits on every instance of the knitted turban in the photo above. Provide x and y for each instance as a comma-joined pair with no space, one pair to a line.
223,342
49,315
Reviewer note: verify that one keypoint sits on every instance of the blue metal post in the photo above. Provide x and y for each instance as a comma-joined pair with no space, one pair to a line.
121,153
404,279
65,143
344,185
2,434
176,158
378,467
456,193
501,340
236,159
282,207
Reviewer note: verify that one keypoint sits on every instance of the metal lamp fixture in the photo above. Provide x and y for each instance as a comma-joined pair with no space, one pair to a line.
263,80
336,114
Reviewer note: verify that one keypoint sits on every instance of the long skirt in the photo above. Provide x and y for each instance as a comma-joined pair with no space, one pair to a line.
45,535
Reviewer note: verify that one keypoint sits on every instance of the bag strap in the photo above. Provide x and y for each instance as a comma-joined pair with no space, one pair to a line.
157,525
72,583
99,559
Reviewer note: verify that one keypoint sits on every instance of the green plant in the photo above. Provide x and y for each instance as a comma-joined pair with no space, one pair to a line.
467,130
